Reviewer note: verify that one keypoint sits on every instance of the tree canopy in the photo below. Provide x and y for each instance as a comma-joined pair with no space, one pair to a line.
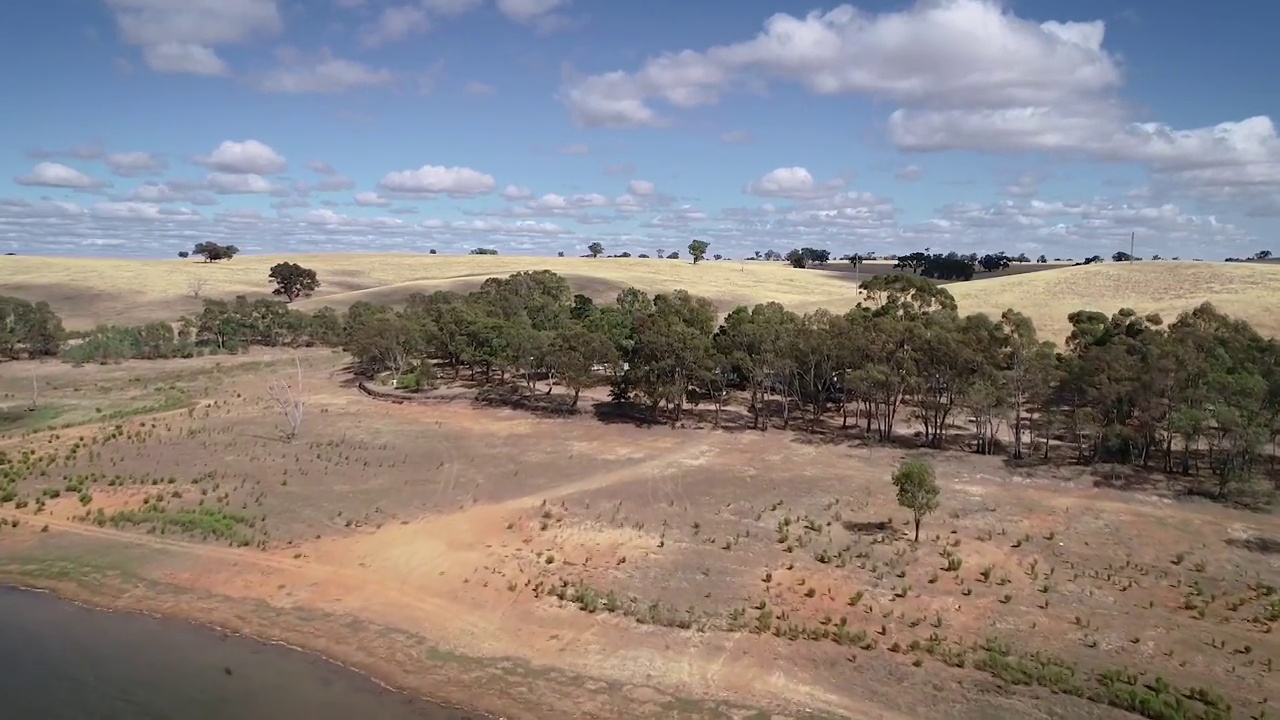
213,252
293,281
1197,399
917,490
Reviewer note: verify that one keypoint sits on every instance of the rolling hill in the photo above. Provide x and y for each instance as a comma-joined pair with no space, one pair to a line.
86,292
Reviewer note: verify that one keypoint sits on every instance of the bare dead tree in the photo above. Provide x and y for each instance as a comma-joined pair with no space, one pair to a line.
288,398
196,286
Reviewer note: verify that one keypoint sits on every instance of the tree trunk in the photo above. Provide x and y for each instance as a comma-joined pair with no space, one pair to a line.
576,392
917,519
1017,430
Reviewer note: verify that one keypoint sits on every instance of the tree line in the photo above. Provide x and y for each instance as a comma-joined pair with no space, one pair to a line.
1198,398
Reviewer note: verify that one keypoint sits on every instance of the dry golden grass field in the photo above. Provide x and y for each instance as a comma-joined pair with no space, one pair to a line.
86,292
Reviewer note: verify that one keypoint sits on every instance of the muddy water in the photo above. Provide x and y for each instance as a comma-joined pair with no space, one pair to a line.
59,661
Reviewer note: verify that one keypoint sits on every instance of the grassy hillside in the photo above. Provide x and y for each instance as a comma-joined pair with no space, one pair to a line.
1244,290
86,292
91,291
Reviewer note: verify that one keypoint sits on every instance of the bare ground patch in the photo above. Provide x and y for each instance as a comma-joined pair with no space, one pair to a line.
736,567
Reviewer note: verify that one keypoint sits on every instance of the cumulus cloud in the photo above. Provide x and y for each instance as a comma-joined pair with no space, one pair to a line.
244,157
909,173
301,74
239,184
519,227
322,168
439,180
57,175
956,52
394,24
371,199
552,202
794,183
174,57
132,164
1025,185
138,210
171,192
449,8
966,74
640,187
517,192
179,36
540,14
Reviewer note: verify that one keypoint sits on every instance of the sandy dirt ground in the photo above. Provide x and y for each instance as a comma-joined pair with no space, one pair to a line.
540,568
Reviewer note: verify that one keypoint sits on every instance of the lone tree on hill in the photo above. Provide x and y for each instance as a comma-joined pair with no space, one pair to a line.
917,489
293,281
596,249
213,252
698,249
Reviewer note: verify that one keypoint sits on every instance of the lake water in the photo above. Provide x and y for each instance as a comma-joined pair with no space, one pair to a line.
60,661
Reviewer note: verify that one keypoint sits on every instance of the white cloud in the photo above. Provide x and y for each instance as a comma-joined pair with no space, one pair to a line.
476,88
538,13
958,52
179,35
290,203
519,227
166,193
736,137
394,24
371,199
967,75
574,150
439,180
1025,185
239,184
135,210
132,164
517,192
640,187
335,183
551,202
52,174
322,168
299,74
909,173
244,157
449,8
174,57
793,183
333,219
680,217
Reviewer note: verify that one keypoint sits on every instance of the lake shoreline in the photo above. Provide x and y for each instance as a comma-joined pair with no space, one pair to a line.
77,595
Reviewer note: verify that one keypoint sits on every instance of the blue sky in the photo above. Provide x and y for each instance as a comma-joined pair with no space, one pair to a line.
537,126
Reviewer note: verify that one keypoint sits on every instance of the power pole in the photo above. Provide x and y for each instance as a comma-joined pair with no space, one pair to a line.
1132,235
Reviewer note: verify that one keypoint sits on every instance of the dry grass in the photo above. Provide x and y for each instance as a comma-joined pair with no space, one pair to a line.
91,291
1243,290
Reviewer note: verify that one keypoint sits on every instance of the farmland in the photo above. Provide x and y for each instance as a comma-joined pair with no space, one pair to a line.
603,564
